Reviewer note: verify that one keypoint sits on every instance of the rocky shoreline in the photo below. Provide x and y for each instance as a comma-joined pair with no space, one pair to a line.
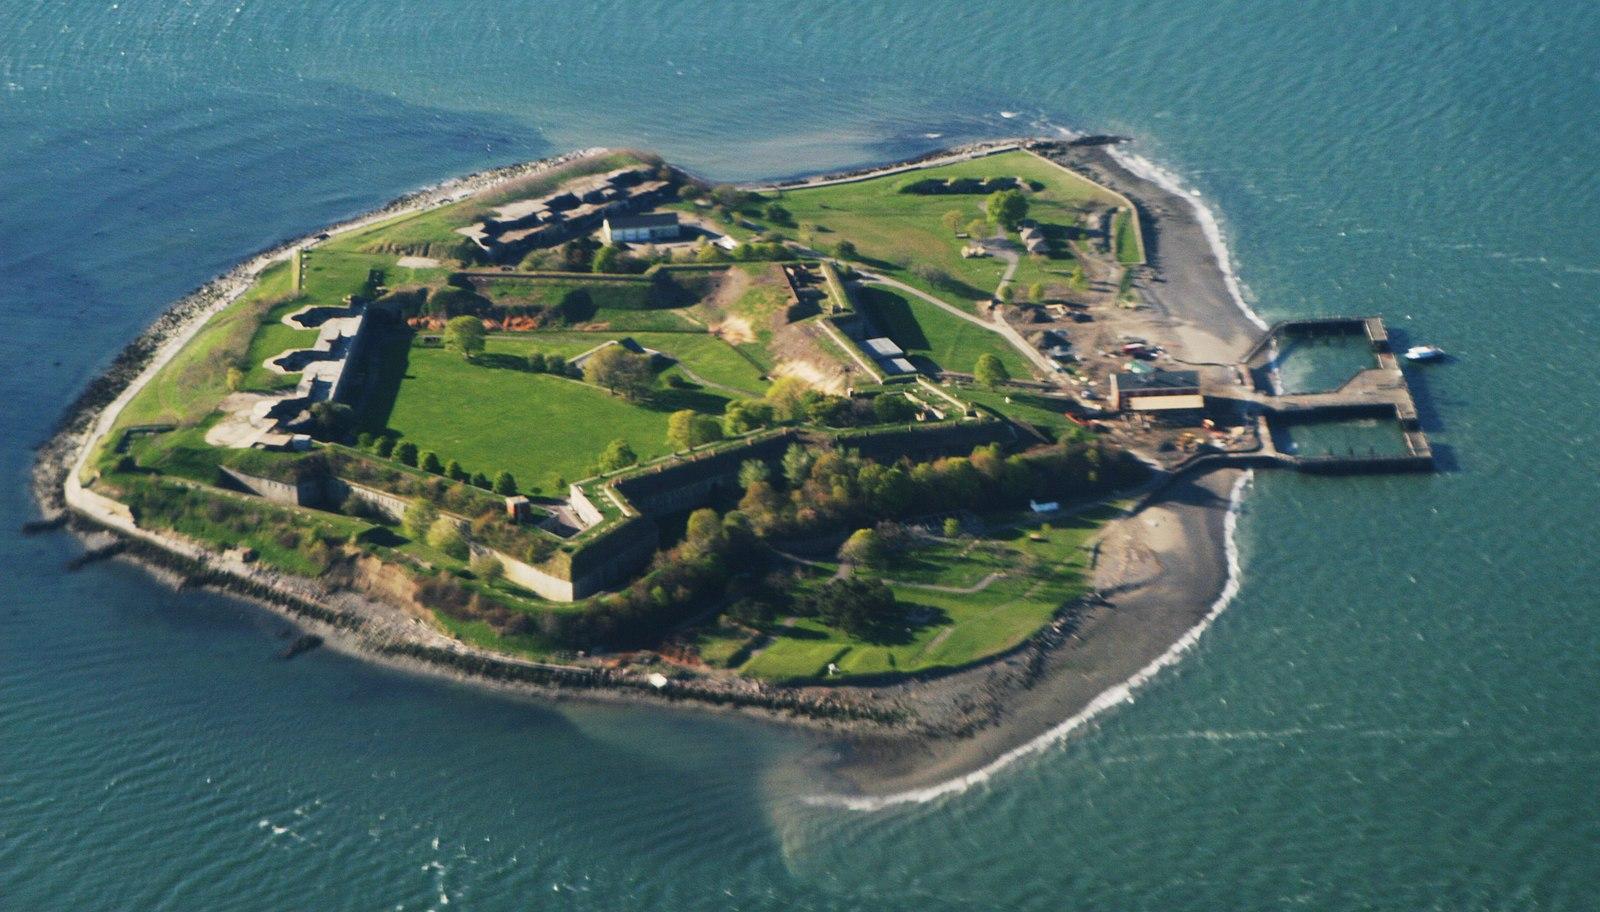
905,735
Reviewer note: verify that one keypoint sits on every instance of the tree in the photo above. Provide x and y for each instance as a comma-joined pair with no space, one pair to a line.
952,527
406,452
752,471
860,607
892,409
687,429
704,531
741,415
418,518
990,371
797,461
444,535
537,362
235,378
620,371
1036,292
789,398
455,472
505,484
1007,294
383,446
952,220
465,335
480,480
429,462
608,259
778,215
617,455
332,419
1007,207
845,250
862,547
978,228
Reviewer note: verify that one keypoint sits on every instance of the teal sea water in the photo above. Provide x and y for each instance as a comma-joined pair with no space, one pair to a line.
1396,712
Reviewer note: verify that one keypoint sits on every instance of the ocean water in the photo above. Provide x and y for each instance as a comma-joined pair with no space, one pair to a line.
1395,712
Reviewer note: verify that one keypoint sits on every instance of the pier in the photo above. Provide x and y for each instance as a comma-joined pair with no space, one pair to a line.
1380,392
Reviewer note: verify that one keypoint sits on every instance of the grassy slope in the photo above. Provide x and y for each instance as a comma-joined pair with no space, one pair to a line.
923,329
191,385
901,228
979,624
1040,411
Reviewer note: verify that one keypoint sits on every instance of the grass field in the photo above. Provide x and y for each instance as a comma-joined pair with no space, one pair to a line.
703,353
894,230
951,629
1044,413
923,329
536,426
191,385
273,338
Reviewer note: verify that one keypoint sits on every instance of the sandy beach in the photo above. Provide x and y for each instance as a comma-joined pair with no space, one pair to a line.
1164,568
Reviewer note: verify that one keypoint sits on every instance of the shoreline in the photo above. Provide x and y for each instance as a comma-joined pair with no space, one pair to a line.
966,725
1198,300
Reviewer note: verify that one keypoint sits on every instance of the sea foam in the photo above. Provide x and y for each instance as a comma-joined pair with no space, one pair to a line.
1114,696
1168,181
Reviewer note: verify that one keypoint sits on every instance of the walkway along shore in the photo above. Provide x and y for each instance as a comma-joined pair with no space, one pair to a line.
902,736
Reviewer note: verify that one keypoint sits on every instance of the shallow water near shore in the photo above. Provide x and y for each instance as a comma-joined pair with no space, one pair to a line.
1391,714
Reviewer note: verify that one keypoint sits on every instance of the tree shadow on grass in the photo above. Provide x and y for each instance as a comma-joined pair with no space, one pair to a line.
900,632
686,397
500,361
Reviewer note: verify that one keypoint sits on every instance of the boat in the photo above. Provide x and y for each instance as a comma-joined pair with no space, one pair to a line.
1424,353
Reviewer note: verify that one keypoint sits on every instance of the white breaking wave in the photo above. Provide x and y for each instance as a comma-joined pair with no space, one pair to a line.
1168,181
1114,696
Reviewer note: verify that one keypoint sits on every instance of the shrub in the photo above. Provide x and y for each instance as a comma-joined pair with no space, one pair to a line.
418,519
488,568
445,536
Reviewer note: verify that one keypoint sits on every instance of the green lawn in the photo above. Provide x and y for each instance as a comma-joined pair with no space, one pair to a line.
895,231
537,426
924,329
272,339
192,384
951,629
703,353
1043,412
1125,234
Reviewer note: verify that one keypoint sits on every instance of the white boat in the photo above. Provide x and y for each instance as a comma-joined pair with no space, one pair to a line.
1424,353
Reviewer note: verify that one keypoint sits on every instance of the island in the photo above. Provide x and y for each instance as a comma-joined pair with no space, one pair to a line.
938,455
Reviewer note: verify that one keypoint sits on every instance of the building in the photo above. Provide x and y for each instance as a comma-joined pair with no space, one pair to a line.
1157,391
1033,238
883,347
658,226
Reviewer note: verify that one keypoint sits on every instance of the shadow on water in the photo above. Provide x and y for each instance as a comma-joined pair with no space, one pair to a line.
1429,416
